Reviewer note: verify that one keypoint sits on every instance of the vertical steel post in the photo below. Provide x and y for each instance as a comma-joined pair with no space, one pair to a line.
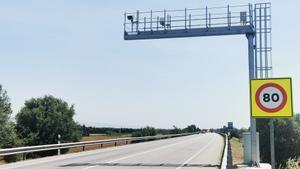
272,143
272,137
250,14
270,38
260,44
255,58
157,23
266,42
165,15
124,21
58,142
206,17
254,152
144,23
170,22
137,20
151,20
228,16
185,18
209,19
24,156
190,21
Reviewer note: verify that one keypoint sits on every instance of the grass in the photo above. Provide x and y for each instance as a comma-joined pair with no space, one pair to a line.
292,164
237,151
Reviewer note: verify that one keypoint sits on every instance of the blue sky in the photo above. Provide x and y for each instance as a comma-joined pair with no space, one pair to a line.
74,49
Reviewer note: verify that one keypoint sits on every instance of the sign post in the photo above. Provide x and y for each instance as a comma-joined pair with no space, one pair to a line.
271,98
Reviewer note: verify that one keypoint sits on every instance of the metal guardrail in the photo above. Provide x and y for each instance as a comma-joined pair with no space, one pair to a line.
31,149
225,153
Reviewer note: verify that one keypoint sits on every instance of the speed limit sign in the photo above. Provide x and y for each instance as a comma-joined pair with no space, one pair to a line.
271,98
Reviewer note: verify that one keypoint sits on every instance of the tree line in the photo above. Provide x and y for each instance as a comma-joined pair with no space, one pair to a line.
42,119
137,132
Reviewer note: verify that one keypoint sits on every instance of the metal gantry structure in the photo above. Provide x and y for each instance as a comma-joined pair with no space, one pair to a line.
252,20
263,40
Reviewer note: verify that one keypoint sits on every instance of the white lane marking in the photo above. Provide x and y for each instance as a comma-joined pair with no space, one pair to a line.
89,167
141,153
196,154
149,151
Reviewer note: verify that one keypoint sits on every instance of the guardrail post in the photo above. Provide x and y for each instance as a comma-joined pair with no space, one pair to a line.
83,148
24,156
115,143
58,142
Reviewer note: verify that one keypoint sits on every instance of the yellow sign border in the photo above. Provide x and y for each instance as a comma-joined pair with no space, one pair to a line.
256,112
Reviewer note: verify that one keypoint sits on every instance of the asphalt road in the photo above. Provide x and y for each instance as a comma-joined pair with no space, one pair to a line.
189,152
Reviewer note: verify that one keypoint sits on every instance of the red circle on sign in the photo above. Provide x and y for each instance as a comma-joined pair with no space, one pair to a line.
268,110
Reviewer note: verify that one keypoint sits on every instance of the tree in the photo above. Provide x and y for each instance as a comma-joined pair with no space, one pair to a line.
287,139
147,131
8,137
176,130
85,130
238,133
5,107
191,129
42,119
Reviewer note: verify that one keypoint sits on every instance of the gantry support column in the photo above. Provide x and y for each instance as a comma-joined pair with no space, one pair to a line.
252,75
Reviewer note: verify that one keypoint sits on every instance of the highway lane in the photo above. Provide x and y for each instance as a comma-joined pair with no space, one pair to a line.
189,152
